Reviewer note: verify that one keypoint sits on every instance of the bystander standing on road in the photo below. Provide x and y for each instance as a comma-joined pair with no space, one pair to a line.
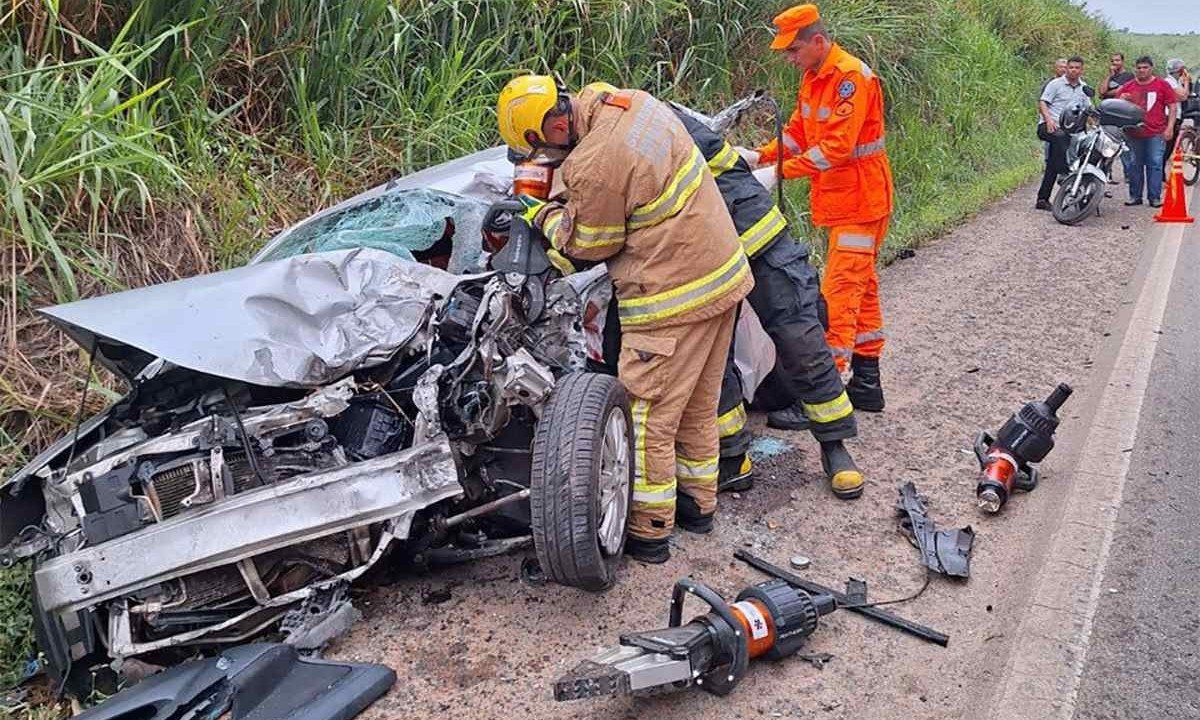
1058,69
1157,98
1058,95
1117,76
1179,80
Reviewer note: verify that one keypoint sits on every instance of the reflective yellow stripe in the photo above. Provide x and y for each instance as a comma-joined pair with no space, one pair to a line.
761,232
697,473
646,493
656,494
688,470
639,411
560,261
550,226
828,412
724,160
587,236
732,422
681,188
639,311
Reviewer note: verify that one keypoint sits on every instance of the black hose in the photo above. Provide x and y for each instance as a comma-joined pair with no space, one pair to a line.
87,381
250,457
778,153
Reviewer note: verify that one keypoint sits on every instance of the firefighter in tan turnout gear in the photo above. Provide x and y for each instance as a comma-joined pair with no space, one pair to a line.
640,197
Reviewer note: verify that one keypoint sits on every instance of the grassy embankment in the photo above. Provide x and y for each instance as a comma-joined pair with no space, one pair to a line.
142,142
1164,47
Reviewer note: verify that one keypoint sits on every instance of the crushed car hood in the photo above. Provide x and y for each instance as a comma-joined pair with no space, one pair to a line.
303,321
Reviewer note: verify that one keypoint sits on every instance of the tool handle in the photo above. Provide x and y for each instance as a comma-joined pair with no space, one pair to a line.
983,441
1058,396
719,681
877,614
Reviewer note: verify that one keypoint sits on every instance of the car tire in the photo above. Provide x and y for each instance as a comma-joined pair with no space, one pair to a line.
581,483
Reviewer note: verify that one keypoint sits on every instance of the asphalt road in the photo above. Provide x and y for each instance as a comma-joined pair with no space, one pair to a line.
1144,658
986,318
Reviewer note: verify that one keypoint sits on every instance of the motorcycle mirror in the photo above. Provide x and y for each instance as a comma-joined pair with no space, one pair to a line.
1087,90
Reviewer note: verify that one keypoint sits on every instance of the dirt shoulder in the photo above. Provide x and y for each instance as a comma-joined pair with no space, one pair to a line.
991,316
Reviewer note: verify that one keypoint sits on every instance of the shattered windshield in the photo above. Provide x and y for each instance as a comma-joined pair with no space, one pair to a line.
429,226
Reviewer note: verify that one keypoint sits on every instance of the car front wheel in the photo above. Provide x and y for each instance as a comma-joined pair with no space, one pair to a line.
582,481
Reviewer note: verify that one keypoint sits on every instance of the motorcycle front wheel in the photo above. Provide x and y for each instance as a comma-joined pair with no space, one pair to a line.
1070,208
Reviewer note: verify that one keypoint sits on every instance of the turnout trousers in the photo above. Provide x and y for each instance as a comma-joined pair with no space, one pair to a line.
673,375
787,299
851,290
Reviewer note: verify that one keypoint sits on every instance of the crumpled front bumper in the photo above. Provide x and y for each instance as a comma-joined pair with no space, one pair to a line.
391,488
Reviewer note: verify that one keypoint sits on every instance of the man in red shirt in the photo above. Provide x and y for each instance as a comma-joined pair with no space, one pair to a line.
1157,98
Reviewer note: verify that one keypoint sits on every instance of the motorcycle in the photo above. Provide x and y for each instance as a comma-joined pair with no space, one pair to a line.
1097,139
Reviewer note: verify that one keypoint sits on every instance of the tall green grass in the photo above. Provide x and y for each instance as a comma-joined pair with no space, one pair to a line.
1164,47
144,140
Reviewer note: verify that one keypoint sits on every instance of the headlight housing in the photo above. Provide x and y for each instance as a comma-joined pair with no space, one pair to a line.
1109,147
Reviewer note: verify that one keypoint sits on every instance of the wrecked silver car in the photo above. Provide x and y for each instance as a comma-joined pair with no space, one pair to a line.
292,422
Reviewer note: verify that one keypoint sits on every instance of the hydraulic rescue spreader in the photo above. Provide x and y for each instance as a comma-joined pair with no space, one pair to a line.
771,619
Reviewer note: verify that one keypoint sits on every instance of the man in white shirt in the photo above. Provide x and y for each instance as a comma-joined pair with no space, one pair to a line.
1058,95
1179,80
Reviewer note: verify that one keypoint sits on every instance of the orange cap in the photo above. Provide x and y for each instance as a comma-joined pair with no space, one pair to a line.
790,22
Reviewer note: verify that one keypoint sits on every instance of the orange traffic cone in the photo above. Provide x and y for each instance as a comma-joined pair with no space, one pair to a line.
1174,209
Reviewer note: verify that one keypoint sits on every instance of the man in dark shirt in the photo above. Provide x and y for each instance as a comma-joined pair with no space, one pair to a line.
1117,76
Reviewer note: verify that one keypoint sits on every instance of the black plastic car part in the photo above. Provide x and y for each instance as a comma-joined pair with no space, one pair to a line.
251,682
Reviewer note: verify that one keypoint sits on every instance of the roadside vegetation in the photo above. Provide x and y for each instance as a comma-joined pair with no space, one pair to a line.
145,141
1164,47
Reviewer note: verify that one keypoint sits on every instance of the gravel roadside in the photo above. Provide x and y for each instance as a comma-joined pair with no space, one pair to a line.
990,316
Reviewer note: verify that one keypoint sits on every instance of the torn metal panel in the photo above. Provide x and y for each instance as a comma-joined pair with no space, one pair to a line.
256,521
324,403
943,551
304,321
120,633
320,618
728,118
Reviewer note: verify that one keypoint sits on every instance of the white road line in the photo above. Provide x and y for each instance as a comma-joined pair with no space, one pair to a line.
1042,677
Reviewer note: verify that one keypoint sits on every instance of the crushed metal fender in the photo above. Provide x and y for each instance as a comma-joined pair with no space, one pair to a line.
943,551
251,681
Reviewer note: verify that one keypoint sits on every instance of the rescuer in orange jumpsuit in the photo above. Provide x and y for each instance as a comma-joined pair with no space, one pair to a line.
835,138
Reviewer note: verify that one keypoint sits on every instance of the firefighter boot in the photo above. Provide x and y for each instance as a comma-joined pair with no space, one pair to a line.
654,552
736,474
864,389
689,517
844,476
789,418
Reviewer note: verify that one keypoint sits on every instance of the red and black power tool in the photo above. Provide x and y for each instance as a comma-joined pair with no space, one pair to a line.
771,619
1007,459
